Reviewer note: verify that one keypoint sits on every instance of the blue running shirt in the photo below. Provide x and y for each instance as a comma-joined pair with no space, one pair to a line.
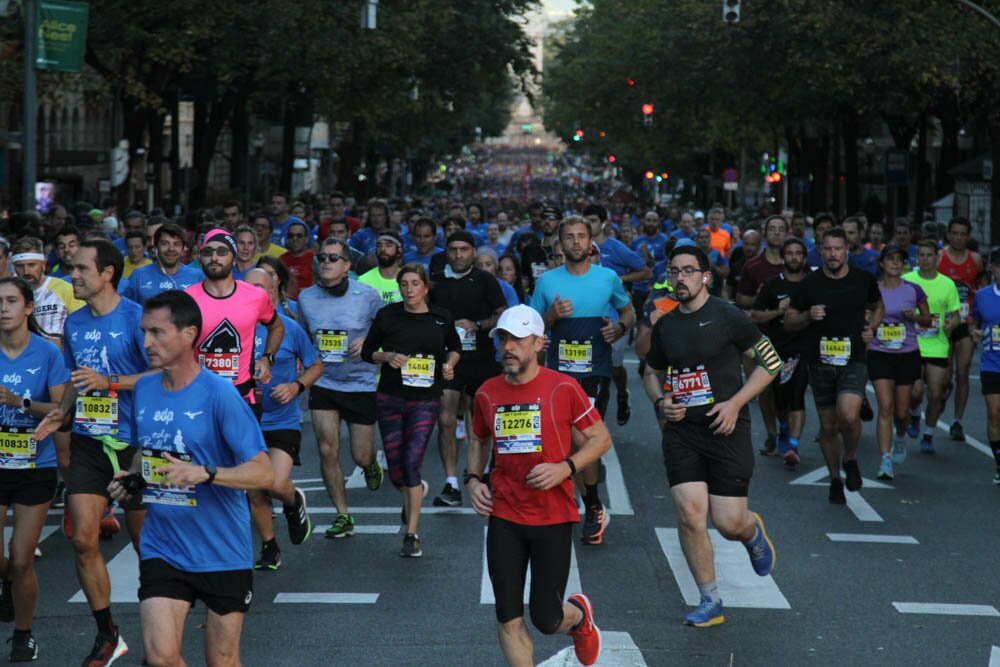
986,311
295,346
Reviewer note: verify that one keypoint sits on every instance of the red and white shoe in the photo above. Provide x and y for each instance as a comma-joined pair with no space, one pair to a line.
587,636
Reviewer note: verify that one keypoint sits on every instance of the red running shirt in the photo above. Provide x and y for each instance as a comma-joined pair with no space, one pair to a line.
964,274
227,329
530,424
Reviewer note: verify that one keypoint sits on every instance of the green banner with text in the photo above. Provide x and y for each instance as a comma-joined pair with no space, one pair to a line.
62,35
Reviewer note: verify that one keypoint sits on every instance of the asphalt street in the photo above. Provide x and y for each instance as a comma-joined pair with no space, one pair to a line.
905,574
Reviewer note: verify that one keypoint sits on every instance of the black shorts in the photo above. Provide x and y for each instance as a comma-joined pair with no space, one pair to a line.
90,469
828,382
28,486
598,389
902,367
354,407
990,382
509,549
470,375
960,332
223,592
287,440
940,362
692,453
790,395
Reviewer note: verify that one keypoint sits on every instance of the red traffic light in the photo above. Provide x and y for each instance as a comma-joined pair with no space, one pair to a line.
611,158
649,175
647,109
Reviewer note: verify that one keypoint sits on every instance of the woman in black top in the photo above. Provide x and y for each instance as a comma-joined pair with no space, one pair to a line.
418,348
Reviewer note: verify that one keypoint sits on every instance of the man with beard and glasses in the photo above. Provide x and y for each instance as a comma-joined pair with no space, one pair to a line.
299,258
54,300
573,301
167,272
831,308
230,310
694,377
389,253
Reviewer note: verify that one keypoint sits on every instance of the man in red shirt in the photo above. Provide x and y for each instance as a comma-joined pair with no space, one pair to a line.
534,417
299,258
338,211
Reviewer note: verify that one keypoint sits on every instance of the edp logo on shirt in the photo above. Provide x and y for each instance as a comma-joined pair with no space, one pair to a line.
165,416
92,335
12,378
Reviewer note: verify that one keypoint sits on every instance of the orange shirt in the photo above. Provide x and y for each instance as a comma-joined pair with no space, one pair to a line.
721,241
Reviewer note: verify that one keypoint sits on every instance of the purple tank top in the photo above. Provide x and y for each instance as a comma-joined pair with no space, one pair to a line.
898,333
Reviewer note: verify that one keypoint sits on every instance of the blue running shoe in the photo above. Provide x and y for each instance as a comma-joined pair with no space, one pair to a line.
913,430
885,468
706,615
761,550
783,445
927,445
898,449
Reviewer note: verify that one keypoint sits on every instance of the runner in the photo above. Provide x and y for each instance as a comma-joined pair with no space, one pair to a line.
944,305
135,246
770,306
418,348
964,267
246,250
299,258
32,383
168,271
389,253
54,299
423,232
836,333
265,230
65,243
280,425
894,356
540,427
707,448
201,448
573,301
859,256
337,313
475,301
986,316
104,351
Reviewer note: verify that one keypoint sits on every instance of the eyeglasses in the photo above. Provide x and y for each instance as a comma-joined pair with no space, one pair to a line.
686,271
221,251
325,257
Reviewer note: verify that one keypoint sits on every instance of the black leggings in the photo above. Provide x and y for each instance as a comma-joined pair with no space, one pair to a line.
791,395
509,548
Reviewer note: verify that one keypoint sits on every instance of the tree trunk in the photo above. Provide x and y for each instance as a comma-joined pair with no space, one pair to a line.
850,143
241,147
208,125
949,158
287,147
920,192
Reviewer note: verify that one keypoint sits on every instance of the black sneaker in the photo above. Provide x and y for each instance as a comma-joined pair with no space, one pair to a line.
956,431
270,557
853,472
59,499
107,649
299,525
770,447
837,496
7,603
449,497
411,547
595,520
23,650
624,411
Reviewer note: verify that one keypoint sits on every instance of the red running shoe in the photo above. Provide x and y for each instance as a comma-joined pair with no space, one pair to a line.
109,524
587,636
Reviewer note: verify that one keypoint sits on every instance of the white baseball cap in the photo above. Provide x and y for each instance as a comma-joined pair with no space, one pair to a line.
521,321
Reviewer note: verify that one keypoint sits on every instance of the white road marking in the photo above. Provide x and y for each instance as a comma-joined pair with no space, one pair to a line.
872,539
945,609
618,499
739,585
855,502
123,570
311,480
393,510
994,657
46,531
373,530
862,510
325,598
814,479
357,478
617,650
486,586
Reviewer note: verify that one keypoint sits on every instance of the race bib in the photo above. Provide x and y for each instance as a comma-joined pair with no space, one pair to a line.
835,351
224,364
788,369
537,269
418,371
994,341
517,429
157,491
691,387
97,414
17,448
332,344
963,311
891,336
576,357
468,339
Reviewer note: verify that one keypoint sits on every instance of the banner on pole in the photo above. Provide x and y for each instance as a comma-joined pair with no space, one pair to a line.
62,35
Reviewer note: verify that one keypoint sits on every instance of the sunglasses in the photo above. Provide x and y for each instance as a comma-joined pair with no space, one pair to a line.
221,251
325,257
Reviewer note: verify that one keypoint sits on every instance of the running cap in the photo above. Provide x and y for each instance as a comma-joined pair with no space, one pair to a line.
219,236
890,249
96,214
461,236
551,213
520,321
685,243
699,214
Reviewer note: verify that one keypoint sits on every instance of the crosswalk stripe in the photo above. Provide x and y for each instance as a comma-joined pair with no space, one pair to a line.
123,571
739,585
945,609
618,649
873,539
393,510
618,499
857,504
326,598
318,530
486,586
994,657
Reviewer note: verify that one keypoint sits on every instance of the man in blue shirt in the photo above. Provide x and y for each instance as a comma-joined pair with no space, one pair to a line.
280,425
424,240
822,223
986,318
685,229
200,449
859,256
167,271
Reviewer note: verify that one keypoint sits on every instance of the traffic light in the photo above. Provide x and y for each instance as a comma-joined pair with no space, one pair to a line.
647,114
578,135
612,158
649,175
731,11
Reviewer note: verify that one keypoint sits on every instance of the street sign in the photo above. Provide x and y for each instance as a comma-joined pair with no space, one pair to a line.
730,175
731,186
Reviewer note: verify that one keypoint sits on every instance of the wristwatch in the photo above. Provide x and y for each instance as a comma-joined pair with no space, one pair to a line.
469,476
113,383
25,404
212,471
269,356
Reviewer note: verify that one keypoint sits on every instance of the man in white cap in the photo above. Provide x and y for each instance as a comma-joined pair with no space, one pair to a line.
533,416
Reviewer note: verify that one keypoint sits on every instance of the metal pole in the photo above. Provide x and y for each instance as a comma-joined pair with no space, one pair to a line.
976,8
28,128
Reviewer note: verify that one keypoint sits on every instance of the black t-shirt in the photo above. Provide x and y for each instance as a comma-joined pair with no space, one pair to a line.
840,331
702,353
420,336
475,296
774,289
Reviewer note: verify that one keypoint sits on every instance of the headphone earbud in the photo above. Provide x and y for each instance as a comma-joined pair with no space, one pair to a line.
704,279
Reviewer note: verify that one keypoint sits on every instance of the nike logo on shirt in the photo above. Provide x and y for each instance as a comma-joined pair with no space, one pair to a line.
704,324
